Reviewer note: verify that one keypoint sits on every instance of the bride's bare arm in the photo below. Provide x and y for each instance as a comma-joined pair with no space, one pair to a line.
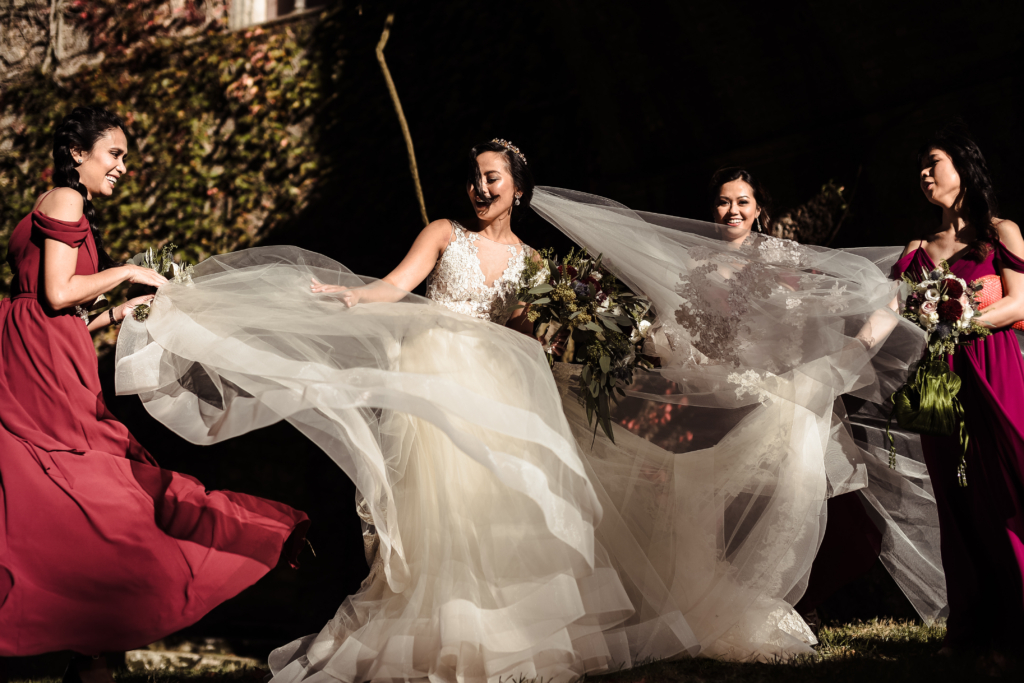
413,269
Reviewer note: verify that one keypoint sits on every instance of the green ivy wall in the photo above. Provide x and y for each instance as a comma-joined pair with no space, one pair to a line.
223,147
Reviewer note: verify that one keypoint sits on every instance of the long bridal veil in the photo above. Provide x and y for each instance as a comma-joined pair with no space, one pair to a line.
514,540
756,345
452,430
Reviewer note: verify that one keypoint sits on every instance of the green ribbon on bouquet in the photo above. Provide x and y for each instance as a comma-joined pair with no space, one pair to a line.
928,404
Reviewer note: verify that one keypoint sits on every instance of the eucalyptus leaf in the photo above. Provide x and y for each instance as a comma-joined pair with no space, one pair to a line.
541,289
606,364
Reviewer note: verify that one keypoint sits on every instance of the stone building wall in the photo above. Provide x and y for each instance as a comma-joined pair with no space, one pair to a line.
62,37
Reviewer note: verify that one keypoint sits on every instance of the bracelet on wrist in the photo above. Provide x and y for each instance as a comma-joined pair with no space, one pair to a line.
110,312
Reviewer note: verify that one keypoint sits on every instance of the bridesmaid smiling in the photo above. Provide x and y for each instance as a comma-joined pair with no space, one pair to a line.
100,550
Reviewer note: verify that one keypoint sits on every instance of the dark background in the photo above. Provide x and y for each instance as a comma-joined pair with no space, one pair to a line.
639,102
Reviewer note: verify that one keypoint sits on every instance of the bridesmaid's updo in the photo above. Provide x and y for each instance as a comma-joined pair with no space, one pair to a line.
81,129
979,198
761,196
521,174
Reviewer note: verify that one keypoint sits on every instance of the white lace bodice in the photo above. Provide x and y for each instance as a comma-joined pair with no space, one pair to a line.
459,284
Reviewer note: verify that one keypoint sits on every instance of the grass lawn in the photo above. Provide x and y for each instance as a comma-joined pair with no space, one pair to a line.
878,651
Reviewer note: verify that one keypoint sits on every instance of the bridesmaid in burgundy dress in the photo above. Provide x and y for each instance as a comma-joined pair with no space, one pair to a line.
982,524
100,550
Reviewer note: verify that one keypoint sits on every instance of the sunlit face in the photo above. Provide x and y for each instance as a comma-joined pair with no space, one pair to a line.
497,185
736,209
100,168
939,180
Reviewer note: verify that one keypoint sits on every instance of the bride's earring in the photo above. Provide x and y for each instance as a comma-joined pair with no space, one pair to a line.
517,199
757,224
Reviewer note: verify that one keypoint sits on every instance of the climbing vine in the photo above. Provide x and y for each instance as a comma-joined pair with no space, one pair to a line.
221,126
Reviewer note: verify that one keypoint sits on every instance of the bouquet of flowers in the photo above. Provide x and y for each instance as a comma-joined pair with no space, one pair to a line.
163,262
946,307
603,323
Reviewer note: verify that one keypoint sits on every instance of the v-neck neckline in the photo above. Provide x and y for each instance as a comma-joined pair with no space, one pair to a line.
471,237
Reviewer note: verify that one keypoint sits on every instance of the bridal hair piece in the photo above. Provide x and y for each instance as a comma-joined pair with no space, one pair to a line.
510,147
522,178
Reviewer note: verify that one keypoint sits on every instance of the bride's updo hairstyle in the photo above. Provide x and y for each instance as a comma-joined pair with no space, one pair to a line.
516,160
761,196
979,198
81,130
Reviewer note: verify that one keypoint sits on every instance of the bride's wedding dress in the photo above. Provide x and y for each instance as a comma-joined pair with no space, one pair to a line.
508,538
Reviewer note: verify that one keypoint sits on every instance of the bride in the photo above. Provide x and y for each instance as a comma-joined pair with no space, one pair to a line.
506,537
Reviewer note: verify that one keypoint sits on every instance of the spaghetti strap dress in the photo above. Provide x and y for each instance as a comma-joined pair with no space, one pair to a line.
100,549
982,524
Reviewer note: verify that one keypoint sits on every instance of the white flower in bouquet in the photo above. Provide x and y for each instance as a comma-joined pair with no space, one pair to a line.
182,274
541,277
642,331
931,294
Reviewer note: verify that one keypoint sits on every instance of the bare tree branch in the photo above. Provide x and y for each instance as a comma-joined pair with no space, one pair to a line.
401,115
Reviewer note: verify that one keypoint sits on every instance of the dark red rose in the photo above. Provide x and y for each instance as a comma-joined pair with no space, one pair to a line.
573,272
950,310
953,289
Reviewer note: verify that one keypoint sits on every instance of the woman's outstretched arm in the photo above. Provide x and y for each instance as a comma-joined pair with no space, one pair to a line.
879,324
414,269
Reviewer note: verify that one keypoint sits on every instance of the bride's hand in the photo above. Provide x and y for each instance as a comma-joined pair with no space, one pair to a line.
349,297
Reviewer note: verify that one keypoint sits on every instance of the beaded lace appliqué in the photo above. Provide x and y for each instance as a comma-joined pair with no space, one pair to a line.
457,281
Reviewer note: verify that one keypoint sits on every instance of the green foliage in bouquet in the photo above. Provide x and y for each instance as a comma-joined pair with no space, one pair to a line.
946,308
603,323
163,262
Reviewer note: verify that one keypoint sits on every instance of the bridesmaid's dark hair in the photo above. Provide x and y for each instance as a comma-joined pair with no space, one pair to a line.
81,129
761,196
979,203
521,175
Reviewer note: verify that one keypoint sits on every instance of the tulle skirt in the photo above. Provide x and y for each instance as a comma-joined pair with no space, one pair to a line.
513,540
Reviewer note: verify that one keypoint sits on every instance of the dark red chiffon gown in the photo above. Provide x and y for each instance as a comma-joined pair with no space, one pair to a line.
100,549
982,524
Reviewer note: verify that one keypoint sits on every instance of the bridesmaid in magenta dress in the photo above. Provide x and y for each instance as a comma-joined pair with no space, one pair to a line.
100,550
982,524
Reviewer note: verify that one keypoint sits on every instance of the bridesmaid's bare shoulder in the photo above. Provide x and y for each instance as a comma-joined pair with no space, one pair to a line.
911,246
63,203
1009,235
